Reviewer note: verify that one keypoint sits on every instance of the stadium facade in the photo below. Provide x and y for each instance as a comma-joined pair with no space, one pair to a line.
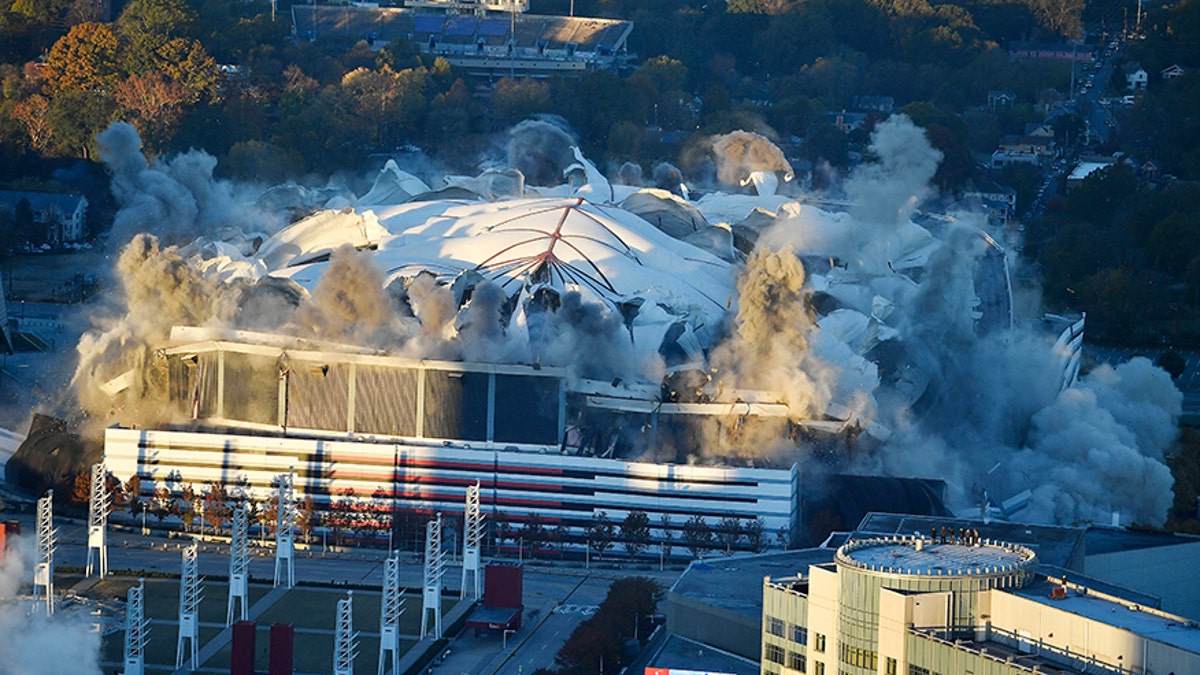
484,39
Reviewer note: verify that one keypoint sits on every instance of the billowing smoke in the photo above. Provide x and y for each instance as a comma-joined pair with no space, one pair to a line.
32,643
1098,449
588,338
984,411
349,304
629,174
176,199
541,151
769,348
158,289
888,190
741,153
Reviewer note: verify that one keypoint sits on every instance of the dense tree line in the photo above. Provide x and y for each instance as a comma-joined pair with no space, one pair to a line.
1118,247
274,107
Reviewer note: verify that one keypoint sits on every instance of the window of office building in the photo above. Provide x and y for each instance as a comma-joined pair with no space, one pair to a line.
799,634
775,627
819,643
773,653
795,661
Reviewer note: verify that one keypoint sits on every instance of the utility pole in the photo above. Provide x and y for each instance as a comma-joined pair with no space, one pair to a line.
136,635
285,528
190,595
239,562
472,541
98,504
47,540
435,563
345,639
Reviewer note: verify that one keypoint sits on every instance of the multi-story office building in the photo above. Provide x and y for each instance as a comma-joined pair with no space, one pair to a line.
958,604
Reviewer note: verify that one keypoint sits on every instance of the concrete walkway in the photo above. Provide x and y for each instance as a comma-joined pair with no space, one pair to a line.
223,638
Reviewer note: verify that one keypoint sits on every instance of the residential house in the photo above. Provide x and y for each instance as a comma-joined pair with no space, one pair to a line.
846,121
1135,76
63,215
1171,72
1001,99
999,203
1023,150
879,104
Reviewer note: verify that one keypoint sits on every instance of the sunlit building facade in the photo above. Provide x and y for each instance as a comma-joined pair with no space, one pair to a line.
957,604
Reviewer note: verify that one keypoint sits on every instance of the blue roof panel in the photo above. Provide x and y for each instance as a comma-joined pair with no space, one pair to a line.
493,27
428,24
461,25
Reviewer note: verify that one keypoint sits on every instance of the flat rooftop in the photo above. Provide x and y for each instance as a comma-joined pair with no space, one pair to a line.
954,559
735,584
1144,621
1054,544
679,653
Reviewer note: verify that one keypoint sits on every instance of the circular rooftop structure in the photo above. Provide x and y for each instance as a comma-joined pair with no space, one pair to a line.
1005,564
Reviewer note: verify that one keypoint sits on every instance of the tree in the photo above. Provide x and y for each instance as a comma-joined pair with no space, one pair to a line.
156,104
85,58
304,516
160,503
516,99
33,114
133,495
601,533
697,535
533,532
187,506
668,536
76,117
753,530
149,24
82,494
729,533
635,532
216,506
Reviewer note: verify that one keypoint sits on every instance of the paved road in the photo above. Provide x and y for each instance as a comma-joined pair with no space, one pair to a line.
556,599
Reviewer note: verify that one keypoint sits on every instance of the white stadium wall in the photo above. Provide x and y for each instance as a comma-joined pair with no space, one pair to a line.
433,477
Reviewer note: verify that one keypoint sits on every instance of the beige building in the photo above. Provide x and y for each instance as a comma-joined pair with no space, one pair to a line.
957,605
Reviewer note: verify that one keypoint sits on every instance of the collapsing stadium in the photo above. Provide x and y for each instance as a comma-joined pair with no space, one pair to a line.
592,347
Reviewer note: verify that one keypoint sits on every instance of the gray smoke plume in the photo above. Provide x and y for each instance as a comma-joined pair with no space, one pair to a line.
986,413
588,338
629,174
349,304
176,199
157,290
32,643
741,152
769,348
482,333
541,151
888,190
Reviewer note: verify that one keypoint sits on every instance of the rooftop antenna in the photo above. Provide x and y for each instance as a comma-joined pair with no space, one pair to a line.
285,528
47,538
98,503
239,561
136,636
345,640
435,564
190,594
390,609
472,539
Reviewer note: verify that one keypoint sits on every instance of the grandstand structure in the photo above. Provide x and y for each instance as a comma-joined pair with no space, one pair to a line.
484,42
